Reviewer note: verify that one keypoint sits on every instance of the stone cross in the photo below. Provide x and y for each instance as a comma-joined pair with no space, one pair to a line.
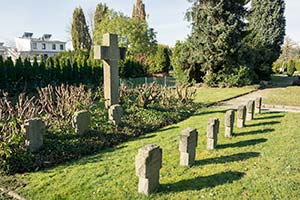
81,122
229,122
34,132
258,104
241,116
212,133
148,163
111,54
115,113
250,110
188,140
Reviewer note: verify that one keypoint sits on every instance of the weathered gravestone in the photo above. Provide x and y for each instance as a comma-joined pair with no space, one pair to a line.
229,122
34,131
148,163
81,122
111,54
241,116
188,140
250,110
115,113
212,133
258,104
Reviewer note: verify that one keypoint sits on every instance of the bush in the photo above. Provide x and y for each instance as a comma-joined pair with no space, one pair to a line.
291,67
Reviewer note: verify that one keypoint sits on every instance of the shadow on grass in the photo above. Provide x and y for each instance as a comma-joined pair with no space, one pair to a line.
199,113
169,128
202,182
263,124
270,117
256,132
242,143
227,159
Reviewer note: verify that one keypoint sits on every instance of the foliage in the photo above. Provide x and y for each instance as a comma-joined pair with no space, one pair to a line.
217,31
266,34
160,62
291,67
81,39
130,68
99,15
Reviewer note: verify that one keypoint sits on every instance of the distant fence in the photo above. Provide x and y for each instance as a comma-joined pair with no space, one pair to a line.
164,81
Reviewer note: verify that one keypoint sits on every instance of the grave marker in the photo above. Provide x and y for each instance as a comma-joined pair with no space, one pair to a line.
250,110
115,113
229,122
34,132
81,122
258,104
212,133
148,163
241,116
188,140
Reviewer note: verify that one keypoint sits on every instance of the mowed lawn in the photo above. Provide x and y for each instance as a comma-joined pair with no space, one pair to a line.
288,96
261,161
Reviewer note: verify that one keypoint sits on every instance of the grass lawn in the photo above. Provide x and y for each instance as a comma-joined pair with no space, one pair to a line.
212,95
289,96
261,162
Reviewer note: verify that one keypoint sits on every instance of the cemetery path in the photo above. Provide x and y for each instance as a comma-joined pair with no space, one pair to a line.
264,93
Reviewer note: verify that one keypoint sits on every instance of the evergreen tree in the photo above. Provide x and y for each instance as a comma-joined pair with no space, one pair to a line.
139,11
50,69
218,29
42,68
81,38
18,70
56,64
2,73
11,73
35,68
27,69
100,13
267,31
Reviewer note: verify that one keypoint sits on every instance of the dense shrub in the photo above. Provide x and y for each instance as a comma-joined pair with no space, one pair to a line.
291,67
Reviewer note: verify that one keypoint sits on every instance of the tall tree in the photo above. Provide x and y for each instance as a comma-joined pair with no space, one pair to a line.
139,11
217,31
81,38
100,13
267,31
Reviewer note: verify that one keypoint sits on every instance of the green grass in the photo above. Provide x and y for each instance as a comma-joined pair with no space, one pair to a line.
289,96
261,162
212,95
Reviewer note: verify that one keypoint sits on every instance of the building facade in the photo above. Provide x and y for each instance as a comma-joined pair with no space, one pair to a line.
28,46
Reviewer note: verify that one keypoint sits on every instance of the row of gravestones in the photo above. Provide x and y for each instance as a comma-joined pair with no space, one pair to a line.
35,128
148,161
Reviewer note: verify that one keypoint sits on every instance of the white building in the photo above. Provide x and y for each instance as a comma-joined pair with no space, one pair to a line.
27,46
2,49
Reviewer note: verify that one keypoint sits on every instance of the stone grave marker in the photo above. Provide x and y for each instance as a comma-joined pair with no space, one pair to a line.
188,140
81,122
115,113
250,110
34,131
148,163
258,104
111,54
212,133
229,123
241,116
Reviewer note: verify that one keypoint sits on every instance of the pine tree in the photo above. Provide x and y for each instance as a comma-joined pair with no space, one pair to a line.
267,31
100,13
216,38
139,11
81,38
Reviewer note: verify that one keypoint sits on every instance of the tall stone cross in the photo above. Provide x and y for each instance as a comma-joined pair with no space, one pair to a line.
111,54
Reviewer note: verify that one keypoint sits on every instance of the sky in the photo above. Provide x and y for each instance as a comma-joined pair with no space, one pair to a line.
55,16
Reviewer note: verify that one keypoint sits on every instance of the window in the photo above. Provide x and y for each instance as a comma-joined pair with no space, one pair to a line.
61,47
34,45
43,46
53,46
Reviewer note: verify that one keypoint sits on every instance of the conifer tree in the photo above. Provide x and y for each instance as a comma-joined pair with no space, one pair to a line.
27,69
42,68
100,13
11,73
56,64
18,70
267,31
217,31
2,73
81,39
50,69
139,11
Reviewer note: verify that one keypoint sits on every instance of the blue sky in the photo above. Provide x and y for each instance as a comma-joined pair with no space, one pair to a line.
54,16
